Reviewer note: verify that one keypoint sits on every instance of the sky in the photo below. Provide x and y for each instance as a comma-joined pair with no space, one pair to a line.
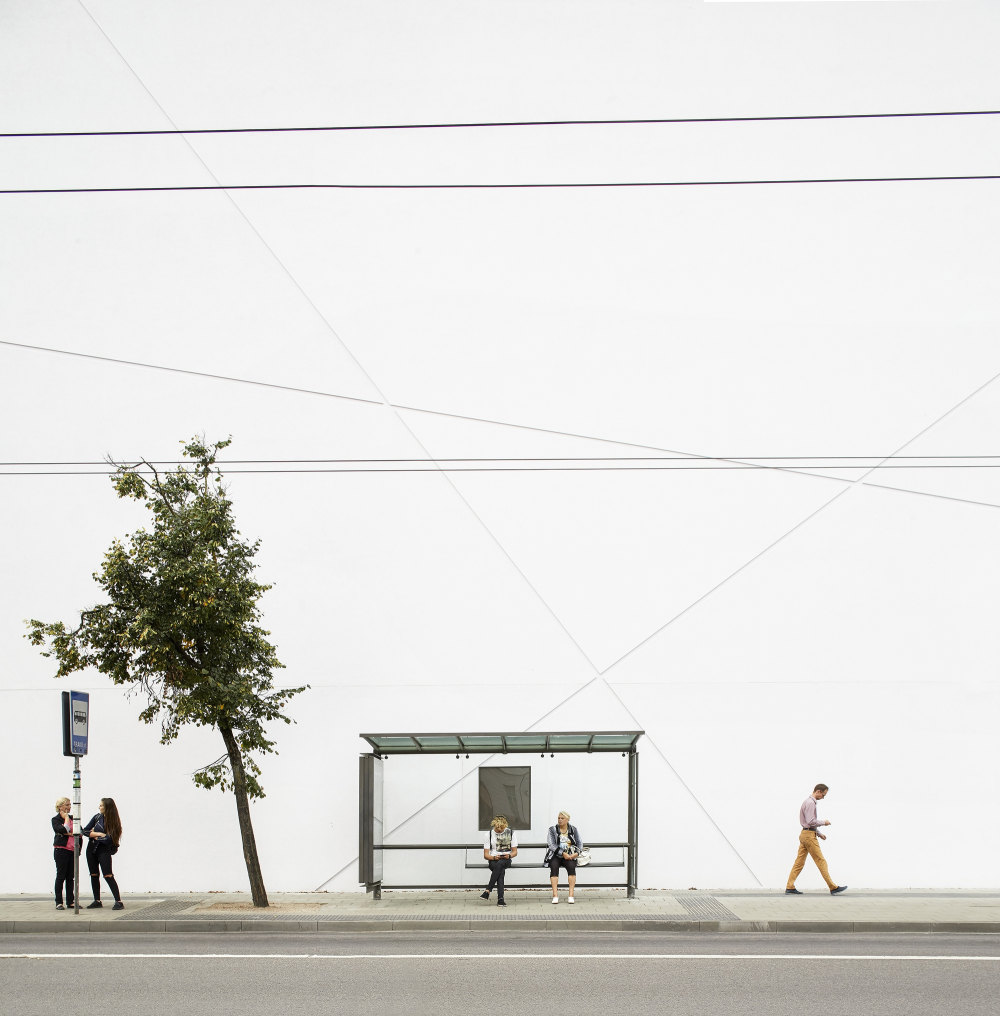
725,611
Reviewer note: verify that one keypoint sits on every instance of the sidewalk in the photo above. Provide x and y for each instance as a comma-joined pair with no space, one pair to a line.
724,910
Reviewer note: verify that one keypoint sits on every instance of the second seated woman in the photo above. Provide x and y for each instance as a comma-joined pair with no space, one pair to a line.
564,846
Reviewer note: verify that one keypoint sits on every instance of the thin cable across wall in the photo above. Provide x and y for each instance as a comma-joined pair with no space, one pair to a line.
467,125
554,185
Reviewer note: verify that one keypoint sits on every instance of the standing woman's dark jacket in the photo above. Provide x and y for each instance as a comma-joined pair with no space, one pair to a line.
63,852
96,825
61,833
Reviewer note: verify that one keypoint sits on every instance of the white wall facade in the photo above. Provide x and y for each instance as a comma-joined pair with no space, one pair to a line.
768,629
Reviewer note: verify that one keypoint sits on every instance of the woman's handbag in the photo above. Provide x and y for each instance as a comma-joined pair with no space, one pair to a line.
584,858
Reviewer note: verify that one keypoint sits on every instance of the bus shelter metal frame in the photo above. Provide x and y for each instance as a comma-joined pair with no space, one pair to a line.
371,846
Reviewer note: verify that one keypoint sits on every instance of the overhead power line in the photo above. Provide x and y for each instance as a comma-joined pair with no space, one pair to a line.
564,185
466,125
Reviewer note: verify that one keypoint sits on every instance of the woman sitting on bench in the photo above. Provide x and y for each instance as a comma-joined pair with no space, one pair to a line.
499,846
564,845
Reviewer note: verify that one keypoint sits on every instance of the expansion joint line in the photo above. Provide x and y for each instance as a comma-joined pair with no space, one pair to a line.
337,337
680,779
751,561
396,413
375,386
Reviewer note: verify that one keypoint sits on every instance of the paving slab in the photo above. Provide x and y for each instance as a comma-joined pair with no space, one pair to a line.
921,911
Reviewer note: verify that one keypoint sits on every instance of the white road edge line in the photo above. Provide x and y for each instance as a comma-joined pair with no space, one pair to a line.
493,957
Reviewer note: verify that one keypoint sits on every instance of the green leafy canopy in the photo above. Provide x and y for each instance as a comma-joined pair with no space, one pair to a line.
180,623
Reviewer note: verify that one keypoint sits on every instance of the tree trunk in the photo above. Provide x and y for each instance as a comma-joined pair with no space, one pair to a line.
257,890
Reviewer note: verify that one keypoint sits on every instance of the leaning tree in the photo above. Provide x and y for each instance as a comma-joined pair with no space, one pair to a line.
181,626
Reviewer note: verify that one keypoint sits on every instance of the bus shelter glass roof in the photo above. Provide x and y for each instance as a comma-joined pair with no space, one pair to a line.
515,741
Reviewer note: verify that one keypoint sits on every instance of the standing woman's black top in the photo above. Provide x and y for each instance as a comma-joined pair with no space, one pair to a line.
96,824
61,833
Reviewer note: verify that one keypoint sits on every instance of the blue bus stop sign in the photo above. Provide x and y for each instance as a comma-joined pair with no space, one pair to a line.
75,722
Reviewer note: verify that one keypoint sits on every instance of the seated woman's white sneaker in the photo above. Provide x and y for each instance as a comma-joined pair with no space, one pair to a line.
571,900
555,899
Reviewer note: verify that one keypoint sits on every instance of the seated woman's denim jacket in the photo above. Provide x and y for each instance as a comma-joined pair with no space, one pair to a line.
552,841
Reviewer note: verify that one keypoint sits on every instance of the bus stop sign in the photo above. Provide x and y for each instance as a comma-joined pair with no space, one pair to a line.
75,722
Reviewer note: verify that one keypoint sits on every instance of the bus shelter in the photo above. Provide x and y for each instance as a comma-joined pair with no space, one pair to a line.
371,845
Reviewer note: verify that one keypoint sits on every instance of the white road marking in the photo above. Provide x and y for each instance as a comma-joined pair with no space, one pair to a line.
493,957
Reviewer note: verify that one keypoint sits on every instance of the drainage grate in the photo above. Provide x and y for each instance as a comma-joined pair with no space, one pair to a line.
705,908
165,908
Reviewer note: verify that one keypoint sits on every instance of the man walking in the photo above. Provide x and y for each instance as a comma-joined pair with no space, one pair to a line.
809,844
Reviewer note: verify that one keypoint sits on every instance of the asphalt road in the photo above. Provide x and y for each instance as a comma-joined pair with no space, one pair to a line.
512,973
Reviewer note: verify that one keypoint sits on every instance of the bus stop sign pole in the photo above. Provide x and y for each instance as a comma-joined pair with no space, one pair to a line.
75,732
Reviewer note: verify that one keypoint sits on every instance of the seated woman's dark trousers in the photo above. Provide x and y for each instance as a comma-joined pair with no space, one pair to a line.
559,861
498,866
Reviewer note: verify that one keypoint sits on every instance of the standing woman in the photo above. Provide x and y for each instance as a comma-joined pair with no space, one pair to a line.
564,846
63,850
105,832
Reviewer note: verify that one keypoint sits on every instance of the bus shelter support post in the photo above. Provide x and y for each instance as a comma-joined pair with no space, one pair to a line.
632,869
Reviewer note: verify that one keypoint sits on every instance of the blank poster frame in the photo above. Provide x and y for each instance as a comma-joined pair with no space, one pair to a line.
517,811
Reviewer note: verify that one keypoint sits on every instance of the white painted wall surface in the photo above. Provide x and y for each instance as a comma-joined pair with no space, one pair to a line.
767,630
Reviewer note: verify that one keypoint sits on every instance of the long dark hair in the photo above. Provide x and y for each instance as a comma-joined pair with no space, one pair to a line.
112,822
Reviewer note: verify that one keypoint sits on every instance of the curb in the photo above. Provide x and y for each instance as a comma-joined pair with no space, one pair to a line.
492,925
